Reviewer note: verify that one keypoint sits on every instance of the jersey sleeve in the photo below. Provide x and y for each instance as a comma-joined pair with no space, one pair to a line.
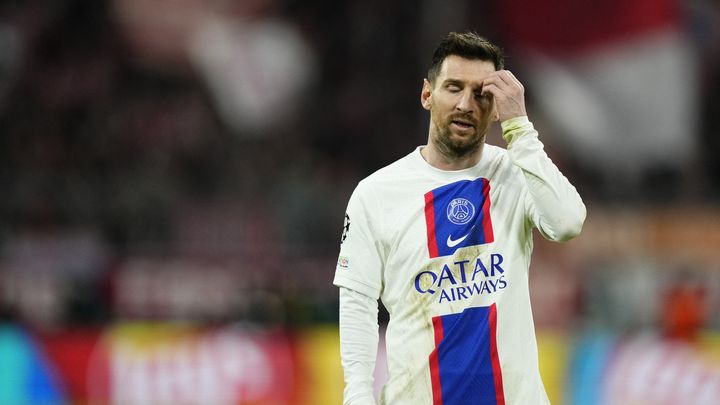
360,263
359,338
552,204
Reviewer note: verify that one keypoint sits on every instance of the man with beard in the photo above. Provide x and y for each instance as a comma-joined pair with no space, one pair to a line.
444,237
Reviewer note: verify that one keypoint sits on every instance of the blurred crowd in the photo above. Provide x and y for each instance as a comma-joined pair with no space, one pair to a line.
164,159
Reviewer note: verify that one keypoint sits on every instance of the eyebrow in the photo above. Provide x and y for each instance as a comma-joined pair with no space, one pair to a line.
453,81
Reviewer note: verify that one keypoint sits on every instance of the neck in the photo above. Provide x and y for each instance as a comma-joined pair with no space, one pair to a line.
445,160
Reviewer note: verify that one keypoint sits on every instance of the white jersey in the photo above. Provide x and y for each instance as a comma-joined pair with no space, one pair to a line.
448,252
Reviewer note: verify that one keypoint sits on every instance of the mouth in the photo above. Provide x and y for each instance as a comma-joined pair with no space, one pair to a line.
462,124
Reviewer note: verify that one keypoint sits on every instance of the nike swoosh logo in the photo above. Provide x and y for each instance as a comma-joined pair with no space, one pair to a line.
452,243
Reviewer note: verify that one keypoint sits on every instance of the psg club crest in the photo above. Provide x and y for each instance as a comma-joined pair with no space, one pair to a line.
460,211
458,215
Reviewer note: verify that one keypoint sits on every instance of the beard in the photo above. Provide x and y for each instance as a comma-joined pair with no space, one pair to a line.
453,145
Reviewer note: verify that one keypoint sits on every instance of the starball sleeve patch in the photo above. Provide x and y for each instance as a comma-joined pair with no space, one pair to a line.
346,228
458,215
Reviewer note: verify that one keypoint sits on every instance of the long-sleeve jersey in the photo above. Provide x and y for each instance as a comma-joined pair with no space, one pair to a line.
448,253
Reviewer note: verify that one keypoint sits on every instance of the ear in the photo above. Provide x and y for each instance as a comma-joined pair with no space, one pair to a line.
426,95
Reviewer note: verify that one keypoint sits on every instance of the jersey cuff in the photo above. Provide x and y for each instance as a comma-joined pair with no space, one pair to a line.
514,128
358,286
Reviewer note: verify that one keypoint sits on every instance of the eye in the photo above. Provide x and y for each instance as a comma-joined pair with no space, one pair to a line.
454,88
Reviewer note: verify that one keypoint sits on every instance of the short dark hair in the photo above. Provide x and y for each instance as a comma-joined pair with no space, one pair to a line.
468,45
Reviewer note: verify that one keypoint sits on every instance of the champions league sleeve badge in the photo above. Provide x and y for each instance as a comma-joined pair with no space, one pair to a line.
346,228
458,215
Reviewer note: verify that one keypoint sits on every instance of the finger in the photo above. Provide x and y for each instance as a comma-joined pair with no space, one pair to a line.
516,81
506,77
510,78
493,77
496,91
503,86
493,81
501,79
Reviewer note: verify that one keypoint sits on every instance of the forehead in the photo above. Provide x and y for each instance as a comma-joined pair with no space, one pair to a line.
467,70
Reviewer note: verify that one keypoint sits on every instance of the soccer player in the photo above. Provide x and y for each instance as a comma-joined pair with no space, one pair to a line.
444,236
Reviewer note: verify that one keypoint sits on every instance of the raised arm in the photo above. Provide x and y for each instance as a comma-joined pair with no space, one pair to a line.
554,205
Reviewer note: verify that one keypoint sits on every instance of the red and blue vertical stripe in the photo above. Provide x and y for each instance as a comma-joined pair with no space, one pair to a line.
445,236
464,367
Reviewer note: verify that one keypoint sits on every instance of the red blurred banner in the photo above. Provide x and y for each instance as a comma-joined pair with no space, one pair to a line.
174,364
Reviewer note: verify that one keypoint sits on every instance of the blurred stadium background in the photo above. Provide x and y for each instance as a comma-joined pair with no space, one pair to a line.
174,173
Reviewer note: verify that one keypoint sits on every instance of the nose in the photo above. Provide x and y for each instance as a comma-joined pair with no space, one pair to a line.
466,102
